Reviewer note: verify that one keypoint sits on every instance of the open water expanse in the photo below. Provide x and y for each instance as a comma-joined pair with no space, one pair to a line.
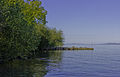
104,61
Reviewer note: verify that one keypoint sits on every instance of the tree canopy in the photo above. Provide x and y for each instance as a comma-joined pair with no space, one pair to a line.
23,28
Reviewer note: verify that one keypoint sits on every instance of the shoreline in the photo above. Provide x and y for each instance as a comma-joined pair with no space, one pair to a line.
69,48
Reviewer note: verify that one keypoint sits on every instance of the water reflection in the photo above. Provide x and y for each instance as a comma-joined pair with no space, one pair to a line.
38,67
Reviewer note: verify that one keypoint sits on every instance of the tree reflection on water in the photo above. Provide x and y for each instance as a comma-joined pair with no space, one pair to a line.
37,67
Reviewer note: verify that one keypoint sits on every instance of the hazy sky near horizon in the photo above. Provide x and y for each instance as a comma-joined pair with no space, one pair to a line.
85,21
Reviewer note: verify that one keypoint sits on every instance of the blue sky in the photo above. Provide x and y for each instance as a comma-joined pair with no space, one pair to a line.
85,21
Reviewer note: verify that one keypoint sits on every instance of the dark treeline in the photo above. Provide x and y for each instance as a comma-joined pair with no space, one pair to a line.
23,29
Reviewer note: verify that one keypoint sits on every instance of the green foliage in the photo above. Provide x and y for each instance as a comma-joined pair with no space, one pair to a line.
55,37
50,38
22,28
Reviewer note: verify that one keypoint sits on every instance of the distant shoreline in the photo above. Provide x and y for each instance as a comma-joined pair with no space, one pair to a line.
92,44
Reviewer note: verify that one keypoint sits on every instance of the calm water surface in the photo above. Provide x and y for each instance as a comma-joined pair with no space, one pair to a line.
104,61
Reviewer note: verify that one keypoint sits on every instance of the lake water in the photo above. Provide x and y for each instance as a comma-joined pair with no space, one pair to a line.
104,61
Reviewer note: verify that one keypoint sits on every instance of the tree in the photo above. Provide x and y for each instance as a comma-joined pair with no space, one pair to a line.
18,27
23,30
55,37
